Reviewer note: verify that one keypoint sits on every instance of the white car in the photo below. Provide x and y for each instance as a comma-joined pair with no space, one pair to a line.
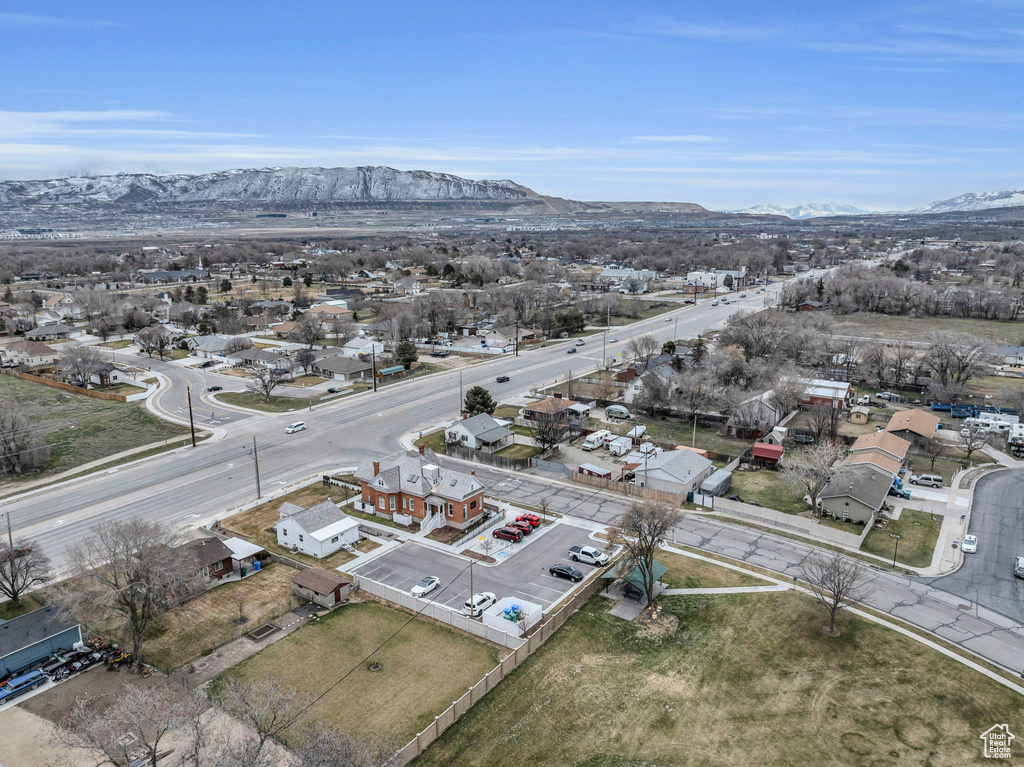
613,340
884,395
715,302
425,586
969,544
478,603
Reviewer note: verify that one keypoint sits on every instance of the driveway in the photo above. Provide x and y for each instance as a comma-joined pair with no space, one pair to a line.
997,519
523,575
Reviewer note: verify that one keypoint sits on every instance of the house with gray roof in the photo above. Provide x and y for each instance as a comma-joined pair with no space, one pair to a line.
52,332
856,493
674,471
217,346
481,432
318,531
339,368
33,637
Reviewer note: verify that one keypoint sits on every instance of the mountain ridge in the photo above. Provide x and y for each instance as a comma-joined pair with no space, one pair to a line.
805,211
975,201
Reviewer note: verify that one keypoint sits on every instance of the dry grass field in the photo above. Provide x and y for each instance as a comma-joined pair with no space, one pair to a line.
425,667
688,573
745,680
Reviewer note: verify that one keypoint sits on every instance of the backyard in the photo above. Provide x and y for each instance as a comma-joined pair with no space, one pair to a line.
255,523
80,429
768,488
918,531
671,431
424,667
746,680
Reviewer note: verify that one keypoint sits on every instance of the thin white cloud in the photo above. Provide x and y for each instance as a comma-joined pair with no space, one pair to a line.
685,139
51,125
32,20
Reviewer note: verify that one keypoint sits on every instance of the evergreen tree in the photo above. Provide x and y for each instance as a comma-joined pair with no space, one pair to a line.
479,400
406,353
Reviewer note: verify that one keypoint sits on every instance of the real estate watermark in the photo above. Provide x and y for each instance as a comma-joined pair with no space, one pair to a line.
997,739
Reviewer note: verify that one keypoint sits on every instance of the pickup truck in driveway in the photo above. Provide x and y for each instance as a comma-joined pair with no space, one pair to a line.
588,554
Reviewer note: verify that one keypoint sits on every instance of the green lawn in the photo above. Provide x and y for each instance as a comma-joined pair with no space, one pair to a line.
425,666
433,441
29,602
506,411
689,573
274,405
122,344
745,680
918,530
519,451
81,429
671,431
769,488
919,328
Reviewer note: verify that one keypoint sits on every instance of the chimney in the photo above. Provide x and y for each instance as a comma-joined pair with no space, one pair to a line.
558,395
422,449
465,416
376,467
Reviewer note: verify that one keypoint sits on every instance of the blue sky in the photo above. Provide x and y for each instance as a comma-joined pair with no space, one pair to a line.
727,104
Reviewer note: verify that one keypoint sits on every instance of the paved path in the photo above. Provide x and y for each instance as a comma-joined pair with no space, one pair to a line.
728,590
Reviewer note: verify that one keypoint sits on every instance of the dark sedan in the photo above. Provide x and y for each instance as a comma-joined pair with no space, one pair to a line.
502,379
566,571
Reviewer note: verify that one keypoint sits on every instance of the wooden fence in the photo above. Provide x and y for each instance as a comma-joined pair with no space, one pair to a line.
627,488
68,387
508,664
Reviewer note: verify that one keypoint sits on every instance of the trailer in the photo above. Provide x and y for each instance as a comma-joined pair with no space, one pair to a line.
620,446
594,471
717,484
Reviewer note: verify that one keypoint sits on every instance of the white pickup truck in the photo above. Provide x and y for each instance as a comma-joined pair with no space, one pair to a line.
588,554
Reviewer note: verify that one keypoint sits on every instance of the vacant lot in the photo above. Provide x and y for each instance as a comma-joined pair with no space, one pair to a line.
689,573
768,488
745,680
669,431
274,405
918,328
424,668
255,524
918,531
209,619
80,429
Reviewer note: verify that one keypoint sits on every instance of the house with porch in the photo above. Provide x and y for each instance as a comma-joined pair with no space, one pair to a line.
32,354
211,558
480,432
552,408
339,368
318,531
54,332
213,347
412,487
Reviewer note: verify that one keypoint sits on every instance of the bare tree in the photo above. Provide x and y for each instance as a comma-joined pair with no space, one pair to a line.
320,745
22,449
342,329
21,568
79,363
901,358
304,358
824,422
309,329
972,438
654,394
548,433
263,381
810,468
267,707
956,358
643,348
786,394
693,392
834,580
641,531
933,448
154,339
570,385
127,574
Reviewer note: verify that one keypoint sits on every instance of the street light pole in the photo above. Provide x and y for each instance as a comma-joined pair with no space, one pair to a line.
461,401
191,421
896,549
256,465
373,365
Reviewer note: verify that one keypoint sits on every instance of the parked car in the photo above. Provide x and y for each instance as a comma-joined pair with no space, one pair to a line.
439,354
524,527
884,395
969,545
214,388
478,603
588,554
927,480
865,400
572,350
207,364
425,586
566,571
19,685
294,427
508,534
501,379
899,492
532,519
1018,567
333,390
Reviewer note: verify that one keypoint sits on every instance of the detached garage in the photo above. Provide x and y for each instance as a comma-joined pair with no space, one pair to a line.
33,637
765,453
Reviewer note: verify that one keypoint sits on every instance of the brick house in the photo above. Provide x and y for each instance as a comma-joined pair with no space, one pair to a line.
413,487
553,408
211,557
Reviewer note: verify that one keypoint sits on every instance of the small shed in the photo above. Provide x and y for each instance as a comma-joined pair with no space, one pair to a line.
766,453
860,414
324,588
390,371
594,471
717,483
245,554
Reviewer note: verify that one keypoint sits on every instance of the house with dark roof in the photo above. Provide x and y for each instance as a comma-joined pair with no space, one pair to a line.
338,368
552,408
161,276
479,432
413,487
52,332
211,557
856,493
33,637
318,531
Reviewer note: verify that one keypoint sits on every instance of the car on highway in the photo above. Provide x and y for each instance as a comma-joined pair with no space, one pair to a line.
19,685
333,390
533,519
478,603
613,340
969,545
581,342
425,586
668,319
566,571
508,534
214,388
927,480
294,427
501,379
524,527
571,350
743,295
715,302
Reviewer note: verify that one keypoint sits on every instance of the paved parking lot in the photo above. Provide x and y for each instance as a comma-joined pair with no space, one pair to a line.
524,574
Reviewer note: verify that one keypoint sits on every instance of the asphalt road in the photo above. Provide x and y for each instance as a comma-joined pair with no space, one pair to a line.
997,518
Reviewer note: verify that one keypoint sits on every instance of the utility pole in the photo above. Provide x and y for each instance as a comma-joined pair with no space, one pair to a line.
191,422
461,401
10,535
471,592
256,465
517,350
373,366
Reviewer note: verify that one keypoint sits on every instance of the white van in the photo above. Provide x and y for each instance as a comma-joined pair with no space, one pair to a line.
595,440
297,426
616,411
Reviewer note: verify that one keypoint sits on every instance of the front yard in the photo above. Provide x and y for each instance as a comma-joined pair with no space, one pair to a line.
433,441
768,488
918,531
424,667
746,680
255,524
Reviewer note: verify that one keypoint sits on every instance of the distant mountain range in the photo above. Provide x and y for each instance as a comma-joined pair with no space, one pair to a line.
975,201
279,185
809,210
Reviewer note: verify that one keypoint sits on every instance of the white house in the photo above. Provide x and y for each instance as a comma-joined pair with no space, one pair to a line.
318,531
359,347
674,471
481,432
29,353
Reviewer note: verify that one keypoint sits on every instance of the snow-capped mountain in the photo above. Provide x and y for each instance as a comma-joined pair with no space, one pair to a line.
263,185
809,210
975,201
